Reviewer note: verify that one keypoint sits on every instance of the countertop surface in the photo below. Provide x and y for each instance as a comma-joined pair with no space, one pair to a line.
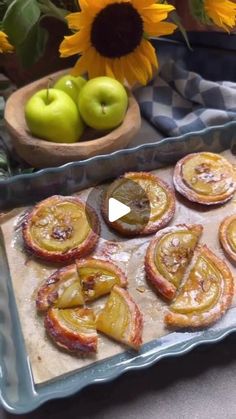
201,384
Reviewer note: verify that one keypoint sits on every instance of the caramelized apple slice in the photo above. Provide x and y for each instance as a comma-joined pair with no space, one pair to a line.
98,277
62,289
72,329
168,256
206,178
61,229
76,284
151,200
206,294
227,235
121,319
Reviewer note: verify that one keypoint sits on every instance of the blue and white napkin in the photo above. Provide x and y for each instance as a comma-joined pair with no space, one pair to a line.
179,101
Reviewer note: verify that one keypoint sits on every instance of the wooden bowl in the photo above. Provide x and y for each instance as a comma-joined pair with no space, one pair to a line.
40,153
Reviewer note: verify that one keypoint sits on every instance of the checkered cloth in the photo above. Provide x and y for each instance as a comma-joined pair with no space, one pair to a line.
179,101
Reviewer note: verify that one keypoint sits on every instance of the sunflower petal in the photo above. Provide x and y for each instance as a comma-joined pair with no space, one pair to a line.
80,67
75,44
119,69
129,75
155,13
140,68
109,70
5,46
160,8
222,13
77,20
159,29
96,67
92,63
150,52
141,4
95,5
84,4
145,63
135,69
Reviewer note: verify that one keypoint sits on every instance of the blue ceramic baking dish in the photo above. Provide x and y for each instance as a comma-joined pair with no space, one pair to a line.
18,393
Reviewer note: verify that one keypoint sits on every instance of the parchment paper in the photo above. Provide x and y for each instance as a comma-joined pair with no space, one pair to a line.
27,273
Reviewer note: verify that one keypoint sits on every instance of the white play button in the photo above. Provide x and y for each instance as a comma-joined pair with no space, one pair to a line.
116,210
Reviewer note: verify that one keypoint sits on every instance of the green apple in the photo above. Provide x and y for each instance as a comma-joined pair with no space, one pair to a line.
103,103
52,115
70,85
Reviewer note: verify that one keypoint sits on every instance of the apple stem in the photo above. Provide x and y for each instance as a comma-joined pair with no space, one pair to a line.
48,88
103,108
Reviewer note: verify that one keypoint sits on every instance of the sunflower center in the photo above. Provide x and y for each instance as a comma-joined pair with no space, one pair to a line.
117,30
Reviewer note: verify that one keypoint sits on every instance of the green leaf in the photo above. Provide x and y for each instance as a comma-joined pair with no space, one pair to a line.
176,19
8,2
3,8
198,11
33,46
49,9
19,19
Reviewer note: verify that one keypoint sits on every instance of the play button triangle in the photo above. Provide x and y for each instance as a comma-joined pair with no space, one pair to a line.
117,210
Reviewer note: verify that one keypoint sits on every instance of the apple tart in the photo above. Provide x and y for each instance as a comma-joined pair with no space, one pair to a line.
168,256
205,178
72,329
151,200
227,235
121,319
77,284
205,295
61,229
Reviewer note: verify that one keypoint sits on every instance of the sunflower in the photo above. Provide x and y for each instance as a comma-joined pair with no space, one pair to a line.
221,12
5,45
112,38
